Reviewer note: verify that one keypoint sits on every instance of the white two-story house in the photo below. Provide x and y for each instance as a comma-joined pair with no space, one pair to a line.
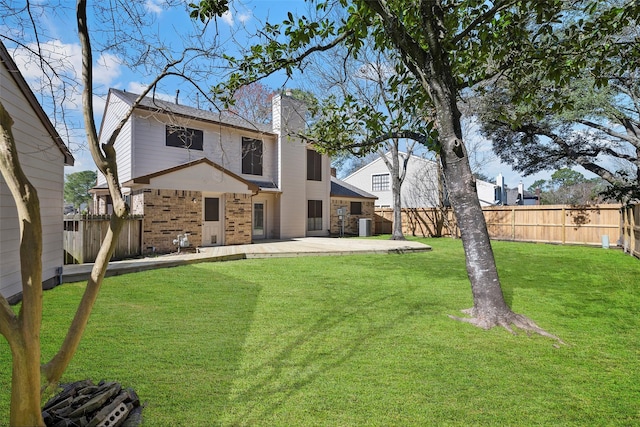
42,155
217,177
421,186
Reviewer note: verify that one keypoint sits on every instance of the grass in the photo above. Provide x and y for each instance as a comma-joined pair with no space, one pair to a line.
363,340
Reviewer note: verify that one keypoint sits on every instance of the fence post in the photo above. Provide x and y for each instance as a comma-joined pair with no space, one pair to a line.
564,225
513,223
632,229
625,228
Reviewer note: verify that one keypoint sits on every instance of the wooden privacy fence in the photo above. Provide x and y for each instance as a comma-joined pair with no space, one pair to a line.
563,224
631,229
83,236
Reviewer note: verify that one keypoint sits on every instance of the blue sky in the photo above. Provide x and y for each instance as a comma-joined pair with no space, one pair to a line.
110,72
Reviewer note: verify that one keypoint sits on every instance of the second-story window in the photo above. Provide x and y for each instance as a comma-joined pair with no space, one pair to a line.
251,156
380,182
314,166
184,137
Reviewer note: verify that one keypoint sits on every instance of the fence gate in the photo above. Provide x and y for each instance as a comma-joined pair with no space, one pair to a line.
83,235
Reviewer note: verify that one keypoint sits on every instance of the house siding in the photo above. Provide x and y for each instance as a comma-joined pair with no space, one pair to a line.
116,109
317,190
289,118
43,163
221,145
418,190
201,177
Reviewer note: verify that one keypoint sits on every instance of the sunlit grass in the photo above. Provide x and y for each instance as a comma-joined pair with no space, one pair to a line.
363,340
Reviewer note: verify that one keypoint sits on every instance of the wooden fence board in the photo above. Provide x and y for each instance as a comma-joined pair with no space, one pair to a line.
563,224
83,236
631,229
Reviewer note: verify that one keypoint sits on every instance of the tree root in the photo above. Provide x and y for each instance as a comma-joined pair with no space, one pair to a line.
506,320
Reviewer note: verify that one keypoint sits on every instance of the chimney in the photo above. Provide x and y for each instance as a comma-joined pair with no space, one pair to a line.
177,93
521,193
333,172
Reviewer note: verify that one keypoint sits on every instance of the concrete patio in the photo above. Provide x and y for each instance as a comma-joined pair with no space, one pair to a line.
307,246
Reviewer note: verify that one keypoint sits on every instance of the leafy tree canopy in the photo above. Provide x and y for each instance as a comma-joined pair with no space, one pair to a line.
77,186
571,187
588,114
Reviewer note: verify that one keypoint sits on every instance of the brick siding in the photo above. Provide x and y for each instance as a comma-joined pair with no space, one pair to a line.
168,213
237,219
351,224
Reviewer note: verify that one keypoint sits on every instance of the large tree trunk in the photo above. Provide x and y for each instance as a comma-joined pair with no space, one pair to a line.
489,306
429,61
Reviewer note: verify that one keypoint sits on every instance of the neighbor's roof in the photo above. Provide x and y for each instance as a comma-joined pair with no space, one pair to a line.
11,66
378,159
342,189
158,105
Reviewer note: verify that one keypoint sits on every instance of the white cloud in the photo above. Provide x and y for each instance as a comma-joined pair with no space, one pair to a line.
107,69
230,17
66,60
227,17
154,6
244,17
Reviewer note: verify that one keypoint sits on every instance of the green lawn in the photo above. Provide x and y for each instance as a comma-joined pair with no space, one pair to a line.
364,340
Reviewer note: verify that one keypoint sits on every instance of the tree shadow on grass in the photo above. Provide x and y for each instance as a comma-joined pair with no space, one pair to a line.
175,335
306,354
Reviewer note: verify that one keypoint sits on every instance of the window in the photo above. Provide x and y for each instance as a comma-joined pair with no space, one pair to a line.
380,182
356,208
314,215
183,137
314,166
251,156
211,209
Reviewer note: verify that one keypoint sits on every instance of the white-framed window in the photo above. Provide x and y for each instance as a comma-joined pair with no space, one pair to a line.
380,182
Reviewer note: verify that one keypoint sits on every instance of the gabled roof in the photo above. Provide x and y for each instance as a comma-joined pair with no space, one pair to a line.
412,158
160,106
22,84
342,189
146,179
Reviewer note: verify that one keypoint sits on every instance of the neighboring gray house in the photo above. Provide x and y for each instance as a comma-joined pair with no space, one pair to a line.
220,178
43,156
513,196
420,186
